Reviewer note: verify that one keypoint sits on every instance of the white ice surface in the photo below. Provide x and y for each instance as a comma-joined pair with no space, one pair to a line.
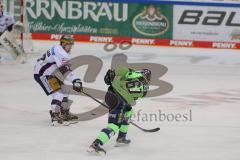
205,81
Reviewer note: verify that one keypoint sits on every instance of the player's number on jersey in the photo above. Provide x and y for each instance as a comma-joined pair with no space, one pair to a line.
134,87
48,53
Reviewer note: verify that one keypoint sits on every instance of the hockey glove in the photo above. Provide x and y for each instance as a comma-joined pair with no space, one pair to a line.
110,75
77,85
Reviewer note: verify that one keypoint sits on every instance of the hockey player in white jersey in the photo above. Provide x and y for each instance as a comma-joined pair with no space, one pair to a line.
56,58
6,20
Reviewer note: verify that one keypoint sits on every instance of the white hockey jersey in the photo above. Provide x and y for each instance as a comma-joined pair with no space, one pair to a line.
6,20
51,60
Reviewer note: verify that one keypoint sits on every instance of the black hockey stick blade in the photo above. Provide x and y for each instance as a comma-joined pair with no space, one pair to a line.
146,130
151,130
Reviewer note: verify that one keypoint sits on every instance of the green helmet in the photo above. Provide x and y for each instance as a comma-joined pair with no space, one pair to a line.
133,75
144,73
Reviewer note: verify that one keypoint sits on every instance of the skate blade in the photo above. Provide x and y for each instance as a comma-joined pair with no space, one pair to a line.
121,144
56,124
73,122
92,151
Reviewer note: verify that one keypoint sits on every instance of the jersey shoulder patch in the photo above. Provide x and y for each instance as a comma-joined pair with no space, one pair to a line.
59,53
53,51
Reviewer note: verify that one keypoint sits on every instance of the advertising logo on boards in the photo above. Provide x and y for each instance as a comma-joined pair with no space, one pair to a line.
150,22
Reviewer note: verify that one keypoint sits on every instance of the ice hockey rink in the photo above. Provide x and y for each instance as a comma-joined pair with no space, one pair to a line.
205,87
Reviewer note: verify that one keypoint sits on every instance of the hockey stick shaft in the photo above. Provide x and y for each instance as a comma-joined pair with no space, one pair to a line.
134,124
95,99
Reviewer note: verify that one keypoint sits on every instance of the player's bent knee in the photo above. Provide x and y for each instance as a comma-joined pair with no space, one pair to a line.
57,96
113,127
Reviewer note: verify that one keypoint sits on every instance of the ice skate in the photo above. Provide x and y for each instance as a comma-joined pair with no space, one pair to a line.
96,149
122,140
66,115
55,118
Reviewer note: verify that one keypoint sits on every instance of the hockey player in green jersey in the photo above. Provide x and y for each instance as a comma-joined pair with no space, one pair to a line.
125,87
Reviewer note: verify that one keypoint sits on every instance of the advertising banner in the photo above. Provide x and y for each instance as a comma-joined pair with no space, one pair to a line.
206,23
100,18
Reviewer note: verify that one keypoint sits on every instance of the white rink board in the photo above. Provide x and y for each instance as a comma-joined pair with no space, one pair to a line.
202,29
198,75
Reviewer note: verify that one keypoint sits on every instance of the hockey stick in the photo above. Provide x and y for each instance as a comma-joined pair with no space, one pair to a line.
134,124
145,130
